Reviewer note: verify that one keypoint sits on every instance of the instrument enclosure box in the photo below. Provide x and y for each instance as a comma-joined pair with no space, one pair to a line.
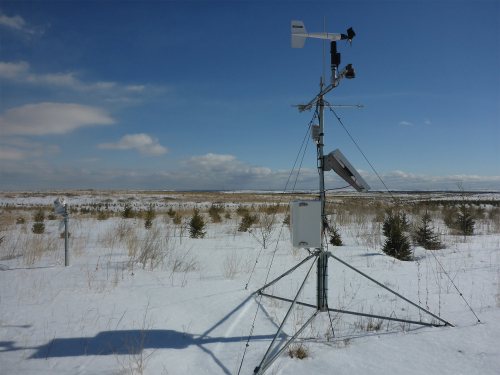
305,223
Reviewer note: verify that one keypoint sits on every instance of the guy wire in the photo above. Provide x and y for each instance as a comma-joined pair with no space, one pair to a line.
281,229
397,204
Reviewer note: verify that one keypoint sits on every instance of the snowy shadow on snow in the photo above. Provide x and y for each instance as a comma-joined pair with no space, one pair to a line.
370,254
131,342
122,342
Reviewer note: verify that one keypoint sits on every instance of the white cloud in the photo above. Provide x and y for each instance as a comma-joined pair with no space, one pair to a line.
404,123
19,148
20,71
146,145
51,118
18,23
10,153
135,88
204,172
14,70
427,122
91,160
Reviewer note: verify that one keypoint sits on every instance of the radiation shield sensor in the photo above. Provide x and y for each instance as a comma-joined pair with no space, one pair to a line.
305,223
340,165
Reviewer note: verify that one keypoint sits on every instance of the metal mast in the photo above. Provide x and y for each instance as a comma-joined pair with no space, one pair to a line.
322,280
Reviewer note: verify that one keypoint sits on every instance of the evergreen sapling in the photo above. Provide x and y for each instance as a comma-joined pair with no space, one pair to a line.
397,244
425,236
196,225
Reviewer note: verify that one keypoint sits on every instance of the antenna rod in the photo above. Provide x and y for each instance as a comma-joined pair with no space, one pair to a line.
324,53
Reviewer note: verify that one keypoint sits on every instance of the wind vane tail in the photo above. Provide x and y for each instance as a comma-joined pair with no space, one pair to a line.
299,34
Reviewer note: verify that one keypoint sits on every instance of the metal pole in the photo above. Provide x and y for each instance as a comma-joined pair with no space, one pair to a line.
322,280
66,252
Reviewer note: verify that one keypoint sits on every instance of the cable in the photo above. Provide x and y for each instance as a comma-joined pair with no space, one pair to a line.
345,187
460,293
286,185
362,153
279,235
397,204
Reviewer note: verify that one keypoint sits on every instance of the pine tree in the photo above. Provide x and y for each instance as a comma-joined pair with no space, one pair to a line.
397,244
150,216
465,222
171,213
247,221
425,236
128,212
196,225
38,227
335,238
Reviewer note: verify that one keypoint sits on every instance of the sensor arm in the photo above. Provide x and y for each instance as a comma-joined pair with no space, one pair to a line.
335,82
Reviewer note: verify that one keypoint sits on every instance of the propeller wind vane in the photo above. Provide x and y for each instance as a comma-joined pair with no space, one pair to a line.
299,35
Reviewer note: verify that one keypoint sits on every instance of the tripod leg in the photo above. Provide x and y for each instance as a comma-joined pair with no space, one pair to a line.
262,363
390,290
261,370
283,275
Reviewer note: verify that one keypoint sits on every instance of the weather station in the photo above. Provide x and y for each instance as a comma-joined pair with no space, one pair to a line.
308,222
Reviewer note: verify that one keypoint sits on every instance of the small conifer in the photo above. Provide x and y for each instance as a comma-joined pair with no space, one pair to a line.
425,236
128,211
335,238
247,221
465,222
396,244
39,227
196,225
150,216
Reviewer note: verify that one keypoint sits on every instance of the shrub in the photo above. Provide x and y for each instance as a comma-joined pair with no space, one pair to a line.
196,225
39,227
128,212
286,220
171,213
298,350
150,216
51,216
153,250
449,214
61,235
425,236
177,218
335,239
397,244
102,215
247,221
20,220
227,215
273,209
214,213
242,210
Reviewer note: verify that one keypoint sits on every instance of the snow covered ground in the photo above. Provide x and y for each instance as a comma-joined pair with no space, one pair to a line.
109,313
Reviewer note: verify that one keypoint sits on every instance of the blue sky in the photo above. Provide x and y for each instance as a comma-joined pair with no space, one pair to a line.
197,95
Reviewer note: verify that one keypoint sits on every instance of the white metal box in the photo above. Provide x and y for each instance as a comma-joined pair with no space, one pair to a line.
305,223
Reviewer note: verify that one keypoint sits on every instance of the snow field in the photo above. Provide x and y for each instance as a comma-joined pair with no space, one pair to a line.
189,313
